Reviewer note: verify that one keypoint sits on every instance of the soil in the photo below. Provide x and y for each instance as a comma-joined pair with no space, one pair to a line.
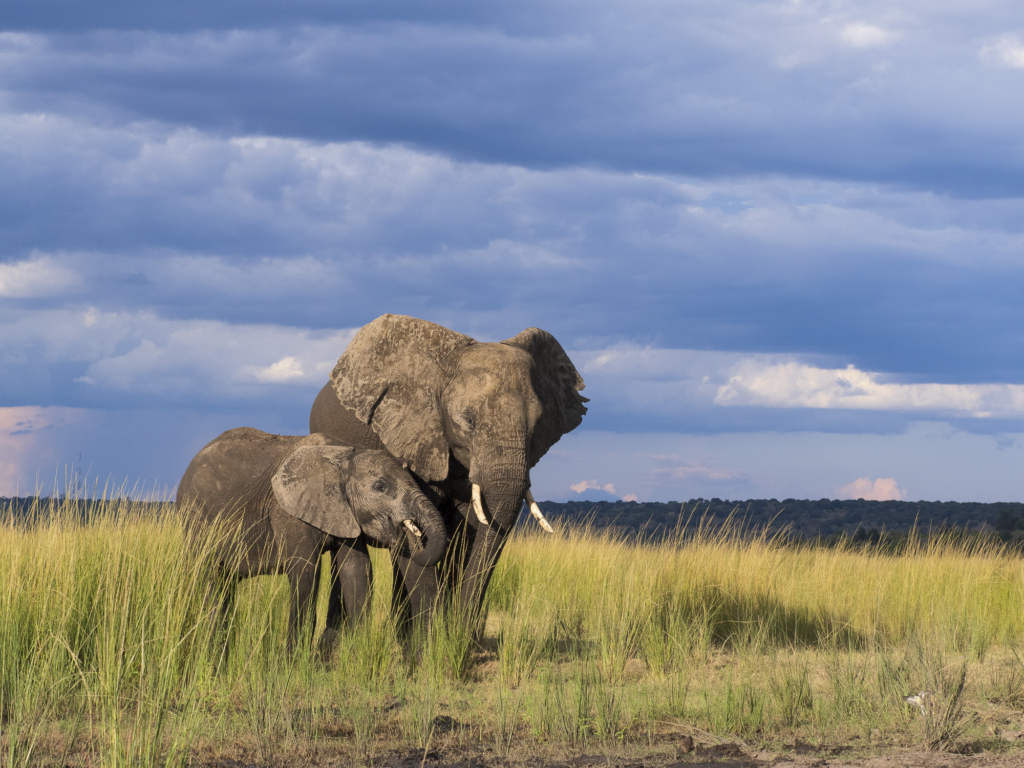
716,758
678,746
699,756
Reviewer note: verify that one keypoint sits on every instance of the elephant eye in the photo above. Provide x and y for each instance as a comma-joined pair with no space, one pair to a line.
470,421
380,486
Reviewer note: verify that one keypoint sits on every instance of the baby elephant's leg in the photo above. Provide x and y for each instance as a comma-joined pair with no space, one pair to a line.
303,578
355,577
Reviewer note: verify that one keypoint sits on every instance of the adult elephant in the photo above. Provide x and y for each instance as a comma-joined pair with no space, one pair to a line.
469,419
276,503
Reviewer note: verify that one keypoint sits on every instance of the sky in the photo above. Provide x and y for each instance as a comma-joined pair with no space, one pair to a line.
781,241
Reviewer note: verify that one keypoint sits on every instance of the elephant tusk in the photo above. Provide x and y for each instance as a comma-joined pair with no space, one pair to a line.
535,511
411,526
478,505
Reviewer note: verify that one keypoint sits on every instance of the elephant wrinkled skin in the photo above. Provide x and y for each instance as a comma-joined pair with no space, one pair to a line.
469,419
280,502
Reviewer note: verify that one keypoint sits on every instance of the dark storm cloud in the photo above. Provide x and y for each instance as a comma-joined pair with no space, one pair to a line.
923,96
51,15
190,226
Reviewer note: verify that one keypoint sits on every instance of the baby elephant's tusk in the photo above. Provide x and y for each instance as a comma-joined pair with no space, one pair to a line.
411,526
535,510
478,505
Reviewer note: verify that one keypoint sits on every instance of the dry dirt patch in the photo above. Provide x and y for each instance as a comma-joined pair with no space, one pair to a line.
717,756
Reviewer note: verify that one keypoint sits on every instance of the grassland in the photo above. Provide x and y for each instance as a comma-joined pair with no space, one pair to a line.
740,643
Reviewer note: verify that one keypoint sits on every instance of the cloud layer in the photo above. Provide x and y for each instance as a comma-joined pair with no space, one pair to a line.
117,359
765,88
741,218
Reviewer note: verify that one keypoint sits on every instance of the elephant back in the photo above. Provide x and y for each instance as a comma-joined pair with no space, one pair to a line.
220,481
330,417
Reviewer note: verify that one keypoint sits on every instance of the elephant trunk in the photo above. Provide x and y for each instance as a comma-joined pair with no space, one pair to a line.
433,535
503,480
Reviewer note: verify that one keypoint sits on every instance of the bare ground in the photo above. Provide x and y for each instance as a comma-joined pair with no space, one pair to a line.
682,753
707,758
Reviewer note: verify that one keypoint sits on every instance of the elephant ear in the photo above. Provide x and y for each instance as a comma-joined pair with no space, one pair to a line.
557,384
309,485
391,375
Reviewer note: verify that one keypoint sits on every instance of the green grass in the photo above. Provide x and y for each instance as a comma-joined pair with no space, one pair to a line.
109,654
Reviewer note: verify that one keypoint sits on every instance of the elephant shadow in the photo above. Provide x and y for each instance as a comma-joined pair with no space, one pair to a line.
730,620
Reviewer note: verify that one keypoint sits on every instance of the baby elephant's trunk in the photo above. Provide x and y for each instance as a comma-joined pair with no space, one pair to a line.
428,548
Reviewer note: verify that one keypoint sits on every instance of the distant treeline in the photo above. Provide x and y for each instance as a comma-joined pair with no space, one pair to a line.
823,519
29,509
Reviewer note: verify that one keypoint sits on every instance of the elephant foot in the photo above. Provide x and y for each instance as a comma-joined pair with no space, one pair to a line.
327,645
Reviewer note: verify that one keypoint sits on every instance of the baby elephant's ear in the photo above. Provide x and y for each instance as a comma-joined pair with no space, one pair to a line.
310,486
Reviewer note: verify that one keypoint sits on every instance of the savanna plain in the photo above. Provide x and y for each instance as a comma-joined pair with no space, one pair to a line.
713,645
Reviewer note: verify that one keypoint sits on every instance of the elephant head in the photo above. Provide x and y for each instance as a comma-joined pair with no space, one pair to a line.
347,492
452,408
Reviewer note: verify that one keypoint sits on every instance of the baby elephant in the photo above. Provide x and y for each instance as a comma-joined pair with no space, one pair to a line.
280,502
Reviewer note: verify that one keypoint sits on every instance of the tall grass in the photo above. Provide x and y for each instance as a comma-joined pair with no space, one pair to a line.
111,654
99,616
743,588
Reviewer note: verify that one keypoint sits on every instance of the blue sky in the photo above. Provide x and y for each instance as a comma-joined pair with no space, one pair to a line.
782,241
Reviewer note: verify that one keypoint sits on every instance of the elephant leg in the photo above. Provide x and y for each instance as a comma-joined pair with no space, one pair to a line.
486,548
453,569
221,595
351,585
335,610
303,578
400,608
415,590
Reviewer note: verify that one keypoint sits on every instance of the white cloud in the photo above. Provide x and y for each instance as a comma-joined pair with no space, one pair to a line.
35,277
630,362
861,35
1007,51
179,360
175,187
284,369
655,380
585,485
797,385
630,497
882,489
